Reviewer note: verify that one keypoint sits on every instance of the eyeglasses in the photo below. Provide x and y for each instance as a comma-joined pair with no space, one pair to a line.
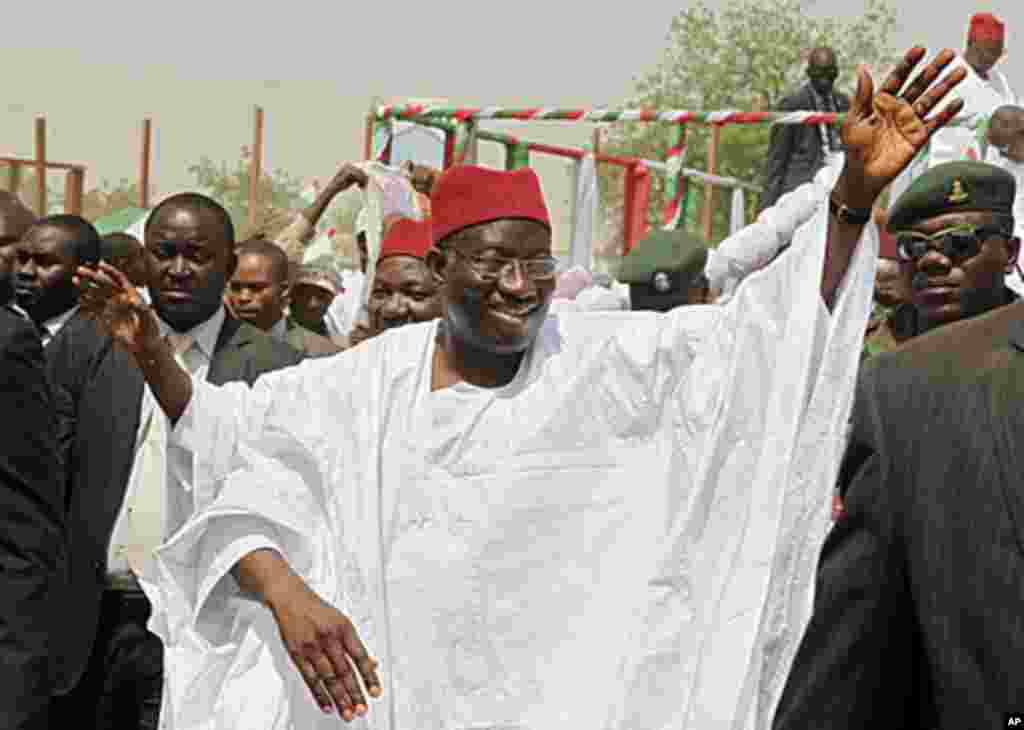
956,244
490,268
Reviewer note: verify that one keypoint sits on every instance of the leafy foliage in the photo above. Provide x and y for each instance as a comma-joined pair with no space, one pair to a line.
747,56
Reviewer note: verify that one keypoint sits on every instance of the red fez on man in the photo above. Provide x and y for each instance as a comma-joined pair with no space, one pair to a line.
406,237
986,27
467,195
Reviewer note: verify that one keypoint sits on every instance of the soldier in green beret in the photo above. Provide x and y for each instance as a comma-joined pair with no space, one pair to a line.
666,270
955,244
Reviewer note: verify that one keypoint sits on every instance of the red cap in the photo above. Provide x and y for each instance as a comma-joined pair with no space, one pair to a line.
986,27
406,237
466,195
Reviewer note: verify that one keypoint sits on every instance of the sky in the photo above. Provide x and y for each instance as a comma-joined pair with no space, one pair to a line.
199,66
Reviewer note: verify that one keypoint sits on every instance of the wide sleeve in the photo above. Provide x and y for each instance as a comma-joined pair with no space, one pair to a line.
775,327
276,459
754,246
218,419
857,650
759,394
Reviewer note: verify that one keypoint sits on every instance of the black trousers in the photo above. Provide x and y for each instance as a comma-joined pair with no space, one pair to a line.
122,685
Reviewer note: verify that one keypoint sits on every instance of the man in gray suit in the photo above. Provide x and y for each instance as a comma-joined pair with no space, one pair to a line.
258,294
919,608
121,474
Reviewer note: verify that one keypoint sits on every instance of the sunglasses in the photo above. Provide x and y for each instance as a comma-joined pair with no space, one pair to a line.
826,74
956,244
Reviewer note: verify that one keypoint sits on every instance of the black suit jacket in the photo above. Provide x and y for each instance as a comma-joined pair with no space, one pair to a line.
32,539
794,151
919,612
101,394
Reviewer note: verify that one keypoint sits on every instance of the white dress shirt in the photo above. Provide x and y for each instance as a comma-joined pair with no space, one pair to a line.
177,504
52,326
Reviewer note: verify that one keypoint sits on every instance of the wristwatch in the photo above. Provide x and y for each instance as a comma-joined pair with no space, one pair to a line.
847,215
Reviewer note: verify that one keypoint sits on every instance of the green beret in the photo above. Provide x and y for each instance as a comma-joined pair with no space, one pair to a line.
954,187
667,261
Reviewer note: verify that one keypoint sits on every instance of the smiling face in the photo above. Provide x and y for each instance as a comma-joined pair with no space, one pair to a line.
404,291
309,304
946,290
503,315
190,258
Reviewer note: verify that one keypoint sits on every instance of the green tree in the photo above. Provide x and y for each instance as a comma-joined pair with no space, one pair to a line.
27,189
109,198
279,194
746,56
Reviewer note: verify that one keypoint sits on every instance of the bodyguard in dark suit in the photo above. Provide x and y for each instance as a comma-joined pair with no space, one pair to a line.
919,608
32,540
111,665
797,151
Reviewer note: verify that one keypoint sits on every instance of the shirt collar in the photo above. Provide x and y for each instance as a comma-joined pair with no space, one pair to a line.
53,325
204,334
280,329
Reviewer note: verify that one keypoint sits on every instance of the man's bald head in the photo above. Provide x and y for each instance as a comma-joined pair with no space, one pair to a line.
1006,132
15,218
822,68
822,56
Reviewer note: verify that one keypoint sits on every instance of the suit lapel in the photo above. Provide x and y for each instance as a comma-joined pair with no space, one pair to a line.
228,354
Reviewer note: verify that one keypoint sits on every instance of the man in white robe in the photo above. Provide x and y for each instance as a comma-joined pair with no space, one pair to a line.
1005,149
982,91
583,520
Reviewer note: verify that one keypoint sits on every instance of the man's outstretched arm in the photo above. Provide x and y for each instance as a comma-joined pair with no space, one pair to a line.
321,641
883,133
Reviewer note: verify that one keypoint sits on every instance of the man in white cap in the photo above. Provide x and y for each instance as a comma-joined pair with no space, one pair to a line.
983,90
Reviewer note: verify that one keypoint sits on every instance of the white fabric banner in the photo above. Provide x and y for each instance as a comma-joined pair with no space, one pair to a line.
738,218
581,250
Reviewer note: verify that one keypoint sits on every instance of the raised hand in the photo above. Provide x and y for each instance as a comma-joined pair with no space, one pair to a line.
326,650
884,132
347,176
108,296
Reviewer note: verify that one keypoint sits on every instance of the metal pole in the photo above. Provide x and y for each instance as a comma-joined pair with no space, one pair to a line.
147,134
709,188
255,163
41,166
74,184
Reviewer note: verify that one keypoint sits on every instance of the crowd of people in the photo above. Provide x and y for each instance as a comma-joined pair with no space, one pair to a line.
770,484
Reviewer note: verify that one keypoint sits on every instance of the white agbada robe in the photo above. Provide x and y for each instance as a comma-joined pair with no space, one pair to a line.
754,246
625,536
1014,280
981,97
